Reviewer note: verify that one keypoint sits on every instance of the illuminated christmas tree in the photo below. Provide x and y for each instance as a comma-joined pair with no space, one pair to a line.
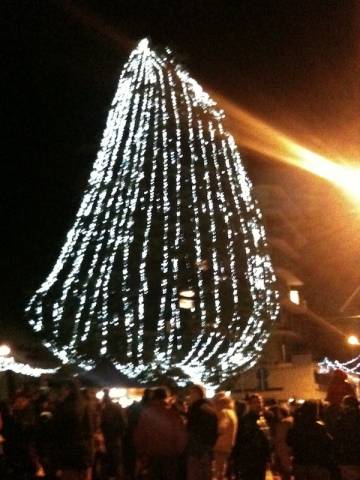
166,264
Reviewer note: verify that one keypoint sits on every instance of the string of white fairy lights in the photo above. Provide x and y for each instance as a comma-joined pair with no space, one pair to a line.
9,363
351,367
168,184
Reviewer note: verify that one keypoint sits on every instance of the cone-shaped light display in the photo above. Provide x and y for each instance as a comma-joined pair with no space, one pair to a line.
166,264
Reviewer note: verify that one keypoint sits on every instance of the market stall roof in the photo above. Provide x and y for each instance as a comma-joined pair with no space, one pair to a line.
105,374
26,346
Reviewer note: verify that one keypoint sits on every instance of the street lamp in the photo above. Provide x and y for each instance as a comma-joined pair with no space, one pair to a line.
5,350
5,358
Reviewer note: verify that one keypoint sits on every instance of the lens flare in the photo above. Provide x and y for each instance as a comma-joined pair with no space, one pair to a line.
260,137
344,176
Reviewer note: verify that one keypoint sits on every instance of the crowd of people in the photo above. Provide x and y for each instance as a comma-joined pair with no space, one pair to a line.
68,433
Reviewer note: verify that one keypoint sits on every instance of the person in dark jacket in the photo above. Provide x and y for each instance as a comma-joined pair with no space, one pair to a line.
347,439
252,447
202,435
74,428
159,438
2,440
19,434
339,387
133,414
44,438
312,446
112,425
240,409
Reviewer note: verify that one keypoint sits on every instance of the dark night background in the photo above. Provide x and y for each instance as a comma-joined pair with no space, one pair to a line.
294,64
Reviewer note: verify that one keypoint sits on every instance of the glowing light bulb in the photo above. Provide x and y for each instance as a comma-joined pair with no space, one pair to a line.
4,350
353,340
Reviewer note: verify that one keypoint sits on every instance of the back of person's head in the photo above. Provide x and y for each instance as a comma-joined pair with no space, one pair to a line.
255,403
254,397
160,394
339,386
147,396
223,401
308,412
197,392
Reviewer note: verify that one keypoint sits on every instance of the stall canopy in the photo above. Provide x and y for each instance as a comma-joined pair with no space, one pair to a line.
105,375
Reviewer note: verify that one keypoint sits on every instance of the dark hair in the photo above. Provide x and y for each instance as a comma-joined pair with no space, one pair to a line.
254,396
308,412
160,393
147,395
199,389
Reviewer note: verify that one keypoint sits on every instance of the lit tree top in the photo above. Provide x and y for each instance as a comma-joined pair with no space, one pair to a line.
166,263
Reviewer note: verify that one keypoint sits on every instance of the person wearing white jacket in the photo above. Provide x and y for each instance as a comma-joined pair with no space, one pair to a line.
227,428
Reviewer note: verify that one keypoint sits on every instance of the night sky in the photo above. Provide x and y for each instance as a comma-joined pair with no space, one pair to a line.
294,64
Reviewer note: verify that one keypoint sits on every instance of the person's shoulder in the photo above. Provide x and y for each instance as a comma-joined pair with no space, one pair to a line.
231,416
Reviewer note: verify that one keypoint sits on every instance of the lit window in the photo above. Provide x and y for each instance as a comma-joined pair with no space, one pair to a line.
295,296
187,293
186,303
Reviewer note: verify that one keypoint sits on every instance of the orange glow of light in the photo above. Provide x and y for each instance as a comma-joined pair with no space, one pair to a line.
260,137
344,176
353,340
5,350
